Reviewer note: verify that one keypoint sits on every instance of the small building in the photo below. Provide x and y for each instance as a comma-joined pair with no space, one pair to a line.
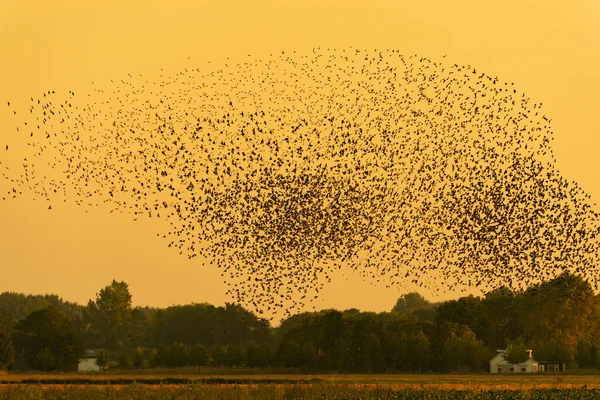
546,366
88,362
499,365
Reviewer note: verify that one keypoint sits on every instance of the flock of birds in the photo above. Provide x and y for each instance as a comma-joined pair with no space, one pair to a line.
282,171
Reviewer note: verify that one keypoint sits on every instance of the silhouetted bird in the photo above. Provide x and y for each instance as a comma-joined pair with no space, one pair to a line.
284,170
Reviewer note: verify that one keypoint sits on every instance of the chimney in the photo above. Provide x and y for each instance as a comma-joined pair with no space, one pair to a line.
530,351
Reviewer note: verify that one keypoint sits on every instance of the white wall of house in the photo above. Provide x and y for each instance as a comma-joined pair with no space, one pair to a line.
499,365
87,364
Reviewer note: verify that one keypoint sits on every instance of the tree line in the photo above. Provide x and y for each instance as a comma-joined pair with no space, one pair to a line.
558,319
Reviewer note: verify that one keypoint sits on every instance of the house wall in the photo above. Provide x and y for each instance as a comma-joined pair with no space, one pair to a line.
547,367
494,367
496,362
529,365
88,364
499,361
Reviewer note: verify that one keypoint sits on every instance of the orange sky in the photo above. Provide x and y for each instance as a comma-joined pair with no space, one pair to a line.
550,49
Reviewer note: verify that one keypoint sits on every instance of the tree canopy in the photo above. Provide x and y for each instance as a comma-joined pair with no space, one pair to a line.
516,351
557,319
111,314
7,352
49,337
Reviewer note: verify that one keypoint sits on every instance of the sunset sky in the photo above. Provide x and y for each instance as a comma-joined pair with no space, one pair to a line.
550,49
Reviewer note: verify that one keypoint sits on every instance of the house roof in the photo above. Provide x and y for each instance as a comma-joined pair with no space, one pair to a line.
90,353
500,359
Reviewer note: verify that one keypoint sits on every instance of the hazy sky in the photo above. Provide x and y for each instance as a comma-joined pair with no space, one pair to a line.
550,49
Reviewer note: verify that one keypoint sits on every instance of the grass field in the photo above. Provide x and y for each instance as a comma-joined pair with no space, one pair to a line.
197,386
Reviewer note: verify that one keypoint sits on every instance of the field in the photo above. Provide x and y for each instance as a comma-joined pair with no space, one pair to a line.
194,386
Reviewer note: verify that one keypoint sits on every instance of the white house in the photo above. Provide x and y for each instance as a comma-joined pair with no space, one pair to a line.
88,362
499,364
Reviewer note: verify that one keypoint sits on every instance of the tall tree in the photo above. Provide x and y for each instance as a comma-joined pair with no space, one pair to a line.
123,361
516,351
208,325
16,306
7,321
463,348
411,352
51,329
587,353
44,360
410,301
556,351
501,317
371,356
102,359
140,326
7,352
399,342
333,326
415,304
139,358
258,355
464,311
198,355
219,355
558,314
110,315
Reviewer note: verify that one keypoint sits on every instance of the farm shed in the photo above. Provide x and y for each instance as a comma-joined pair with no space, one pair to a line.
88,362
498,364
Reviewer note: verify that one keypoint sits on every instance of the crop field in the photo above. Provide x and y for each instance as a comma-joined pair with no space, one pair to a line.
169,386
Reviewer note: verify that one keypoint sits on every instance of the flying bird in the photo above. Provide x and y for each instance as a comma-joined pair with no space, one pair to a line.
283,170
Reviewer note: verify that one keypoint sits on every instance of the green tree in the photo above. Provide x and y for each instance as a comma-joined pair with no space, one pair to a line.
463,348
362,330
177,355
102,359
235,355
371,354
287,351
139,358
258,355
341,358
332,326
557,315
7,321
398,328
424,313
111,314
307,355
464,311
219,355
140,326
7,352
161,356
44,360
410,301
16,306
556,351
412,351
124,362
294,351
51,329
207,325
587,353
198,355
516,351
501,317
156,356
